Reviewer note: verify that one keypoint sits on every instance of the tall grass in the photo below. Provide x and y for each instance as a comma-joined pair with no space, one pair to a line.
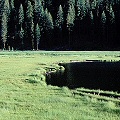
24,94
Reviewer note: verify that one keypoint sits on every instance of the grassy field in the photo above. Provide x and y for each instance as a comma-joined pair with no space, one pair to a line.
24,94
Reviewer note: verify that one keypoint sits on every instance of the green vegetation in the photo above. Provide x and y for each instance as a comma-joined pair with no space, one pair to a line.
24,94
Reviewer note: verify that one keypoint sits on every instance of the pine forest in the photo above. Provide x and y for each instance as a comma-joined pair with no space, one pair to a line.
59,24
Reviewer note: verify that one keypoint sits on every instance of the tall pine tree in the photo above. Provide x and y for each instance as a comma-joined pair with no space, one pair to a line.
59,25
48,20
60,19
37,36
70,21
81,9
39,12
12,4
48,28
7,7
4,30
21,15
30,24
20,29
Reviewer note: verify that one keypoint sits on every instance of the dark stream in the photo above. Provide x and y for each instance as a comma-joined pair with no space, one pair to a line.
88,74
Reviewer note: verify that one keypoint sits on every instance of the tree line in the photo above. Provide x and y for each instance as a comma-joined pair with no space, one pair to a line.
60,24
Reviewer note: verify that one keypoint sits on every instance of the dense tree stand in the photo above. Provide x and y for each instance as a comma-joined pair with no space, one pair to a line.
60,24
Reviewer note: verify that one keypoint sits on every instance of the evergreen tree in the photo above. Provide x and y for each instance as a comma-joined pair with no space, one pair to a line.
103,26
37,35
21,36
2,8
48,20
59,25
87,6
71,16
70,20
11,27
48,28
91,26
29,11
4,30
39,12
30,24
12,4
21,15
20,31
7,7
81,9
60,19
112,15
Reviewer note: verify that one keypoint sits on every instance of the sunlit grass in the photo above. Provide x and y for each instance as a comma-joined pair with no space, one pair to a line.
24,94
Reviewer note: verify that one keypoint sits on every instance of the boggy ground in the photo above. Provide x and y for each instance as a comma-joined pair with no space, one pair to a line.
24,94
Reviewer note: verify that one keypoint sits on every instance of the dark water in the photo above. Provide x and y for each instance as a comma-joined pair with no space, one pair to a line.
89,74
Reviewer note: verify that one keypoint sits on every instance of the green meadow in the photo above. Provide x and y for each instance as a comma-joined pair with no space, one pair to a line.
24,94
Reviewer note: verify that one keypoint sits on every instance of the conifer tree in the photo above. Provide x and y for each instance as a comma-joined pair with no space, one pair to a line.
91,25
4,30
71,17
21,36
59,25
48,20
103,24
7,8
1,7
70,20
37,36
48,28
112,15
12,4
30,24
20,31
39,12
11,27
60,19
81,9
87,6
21,15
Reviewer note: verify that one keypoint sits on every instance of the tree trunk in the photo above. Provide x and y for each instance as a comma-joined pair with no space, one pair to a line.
37,46
4,46
33,45
69,44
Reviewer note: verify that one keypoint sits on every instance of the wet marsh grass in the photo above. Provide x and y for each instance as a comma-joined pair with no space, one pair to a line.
24,94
